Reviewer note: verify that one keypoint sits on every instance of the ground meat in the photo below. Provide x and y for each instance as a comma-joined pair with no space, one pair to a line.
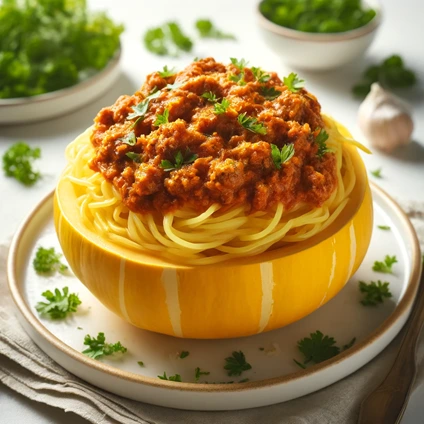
200,157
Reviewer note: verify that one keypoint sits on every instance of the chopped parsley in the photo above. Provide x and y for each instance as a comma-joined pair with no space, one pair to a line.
270,93
261,348
179,160
251,124
374,293
281,156
320,140
58,304
239,78
239,64
210,97
220,108
140,363
377,173
236,364
386,266
175,377
18,160
130,139
97,347
318,348
184,354
293,83
166,73
139,111
207,29
260,75
136,157
198,373
47,260
162,119
383,227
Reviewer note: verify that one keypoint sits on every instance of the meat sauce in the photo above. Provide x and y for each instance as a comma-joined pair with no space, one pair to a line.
222,161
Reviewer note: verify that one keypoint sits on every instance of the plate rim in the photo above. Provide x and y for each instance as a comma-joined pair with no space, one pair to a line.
403,307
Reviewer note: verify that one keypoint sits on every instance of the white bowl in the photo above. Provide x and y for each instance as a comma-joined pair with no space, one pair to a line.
318,51
60,102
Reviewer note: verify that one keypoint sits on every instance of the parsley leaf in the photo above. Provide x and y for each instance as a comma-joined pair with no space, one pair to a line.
210,97
377,173
236,364
270,93
383,227
239,79
293,83
198,373
175,377
207,30
140,363
97,347
321,139
220,108
18,161
260,75
239,64
184,354
162,119
139,111
136,157
166,73
386,266
251,124
130,139
281,156
59,304
374,293
47,260
179,160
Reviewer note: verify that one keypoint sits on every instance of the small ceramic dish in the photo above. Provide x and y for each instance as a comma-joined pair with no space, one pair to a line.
60,102
318,51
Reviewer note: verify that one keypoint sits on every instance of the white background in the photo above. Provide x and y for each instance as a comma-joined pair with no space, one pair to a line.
402,32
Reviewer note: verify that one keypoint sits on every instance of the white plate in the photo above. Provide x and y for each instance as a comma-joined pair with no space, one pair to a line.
274,376
60,102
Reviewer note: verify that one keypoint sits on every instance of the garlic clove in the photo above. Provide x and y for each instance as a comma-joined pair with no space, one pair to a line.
385,119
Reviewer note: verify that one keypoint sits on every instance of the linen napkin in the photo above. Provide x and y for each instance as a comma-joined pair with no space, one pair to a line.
29,371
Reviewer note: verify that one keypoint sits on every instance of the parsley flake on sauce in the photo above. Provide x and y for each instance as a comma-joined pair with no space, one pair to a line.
166,73
179,160
162,119
136,157
260,75
293,83
270,93
251,124
210,97
281,156
321,139
220,108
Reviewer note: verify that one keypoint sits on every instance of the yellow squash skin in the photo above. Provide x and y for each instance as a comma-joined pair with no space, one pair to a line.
232,299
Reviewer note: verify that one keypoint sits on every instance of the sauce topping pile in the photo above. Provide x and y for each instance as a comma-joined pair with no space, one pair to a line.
212,133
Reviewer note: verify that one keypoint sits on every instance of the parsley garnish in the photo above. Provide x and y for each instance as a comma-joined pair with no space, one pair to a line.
220,108
136,157
281,156
293,83
377,173
318,348
239,79
239,64
130,139
236,364
198,373
166,73
383,227
139,111
261,348
59,304
321,139
386,266
162,119
184,354
207,30
260,75
251,124
374,293
175,377
140,363
47,260
210,97
97,347
270,93
17,163
179,160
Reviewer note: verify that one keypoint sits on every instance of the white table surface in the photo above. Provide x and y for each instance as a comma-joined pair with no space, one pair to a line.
403,172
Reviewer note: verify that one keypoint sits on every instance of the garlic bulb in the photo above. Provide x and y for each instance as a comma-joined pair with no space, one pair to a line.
385,119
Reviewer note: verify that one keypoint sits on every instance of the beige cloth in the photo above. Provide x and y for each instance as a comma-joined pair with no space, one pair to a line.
27,370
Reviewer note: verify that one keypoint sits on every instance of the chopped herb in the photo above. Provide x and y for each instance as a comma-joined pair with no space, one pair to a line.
251,124
321,139
47,260
130,139
281,156
184,354
198,373
374,293
349,345
245,380
210,97
141,363
260,75
236,364
383,227
97,347
179,160
261,348
270,93
166,73
59,304
175,377
18,160
79,328
239,79
174,86
293,83
136,157
139,111
220,108
377,173
208,30
239,64
162,119
386,266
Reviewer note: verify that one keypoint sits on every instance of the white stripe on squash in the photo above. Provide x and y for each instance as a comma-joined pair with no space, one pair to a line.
267,277
352,249
121,289
170,284
332,272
